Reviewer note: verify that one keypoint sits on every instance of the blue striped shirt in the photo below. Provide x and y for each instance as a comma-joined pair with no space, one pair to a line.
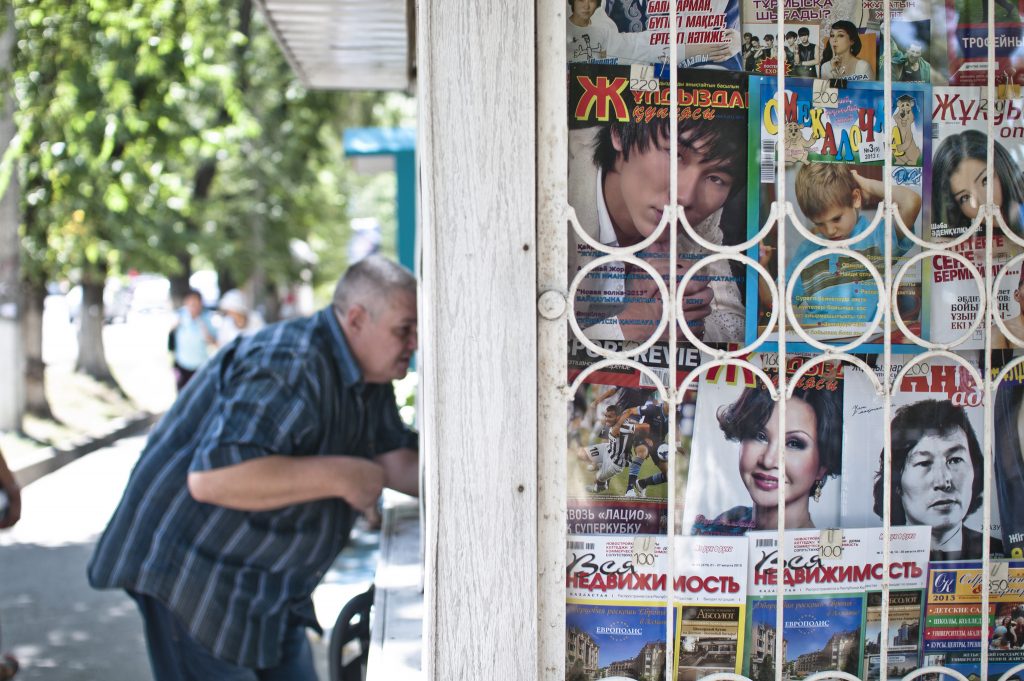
237,579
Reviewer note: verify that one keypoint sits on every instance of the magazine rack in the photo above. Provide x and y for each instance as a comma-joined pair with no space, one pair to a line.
984,255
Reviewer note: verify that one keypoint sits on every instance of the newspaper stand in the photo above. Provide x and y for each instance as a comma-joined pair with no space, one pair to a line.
641,577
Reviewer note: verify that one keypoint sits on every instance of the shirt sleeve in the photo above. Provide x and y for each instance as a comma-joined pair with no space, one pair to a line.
391,432
257,415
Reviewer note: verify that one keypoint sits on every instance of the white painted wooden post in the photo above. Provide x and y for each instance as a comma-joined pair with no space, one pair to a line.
476,86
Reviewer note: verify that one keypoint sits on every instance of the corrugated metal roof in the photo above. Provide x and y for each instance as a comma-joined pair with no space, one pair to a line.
346,44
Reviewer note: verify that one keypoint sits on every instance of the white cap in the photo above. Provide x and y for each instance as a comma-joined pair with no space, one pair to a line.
233,301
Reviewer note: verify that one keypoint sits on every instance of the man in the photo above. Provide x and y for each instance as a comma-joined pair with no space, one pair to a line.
915,69
247,489
193,334
806,54
619,185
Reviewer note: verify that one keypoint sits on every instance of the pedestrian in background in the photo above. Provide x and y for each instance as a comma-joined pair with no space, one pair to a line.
247,489
192,335
10,513
237,318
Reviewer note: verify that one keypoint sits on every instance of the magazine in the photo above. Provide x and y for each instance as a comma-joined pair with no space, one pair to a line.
616,591
639,32
903,635
828,581
953,633
732,485
619,178
916,46
618,460
937,430
821,39
834,179
711,598
656,358
1008,462
960,131
967,34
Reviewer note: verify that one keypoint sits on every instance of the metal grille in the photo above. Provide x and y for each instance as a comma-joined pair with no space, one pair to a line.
555,213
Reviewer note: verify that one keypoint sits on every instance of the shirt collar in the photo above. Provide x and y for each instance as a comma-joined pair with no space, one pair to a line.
351,374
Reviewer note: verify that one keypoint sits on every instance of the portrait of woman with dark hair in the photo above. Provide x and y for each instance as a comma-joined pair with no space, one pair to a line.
839,60
813,439
937,477
960,181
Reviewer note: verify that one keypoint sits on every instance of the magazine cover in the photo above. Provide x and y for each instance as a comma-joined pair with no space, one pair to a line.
733,481
953,631
1008,462
937,464
822,39
834,178
615,608
639,32
618,461
903,635
827,607
619,174
917,42
656,358
958,190
711,596
967,33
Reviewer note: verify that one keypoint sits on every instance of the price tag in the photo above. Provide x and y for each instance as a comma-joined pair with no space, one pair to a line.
823,95
999,576
641,78
830,546
644,548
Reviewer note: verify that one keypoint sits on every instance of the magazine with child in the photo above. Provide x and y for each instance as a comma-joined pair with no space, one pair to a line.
835,178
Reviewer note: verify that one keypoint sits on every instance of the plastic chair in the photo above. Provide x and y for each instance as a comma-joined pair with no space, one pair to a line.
351,628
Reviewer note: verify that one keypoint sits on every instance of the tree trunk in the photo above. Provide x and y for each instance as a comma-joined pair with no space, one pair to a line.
92,360
32,339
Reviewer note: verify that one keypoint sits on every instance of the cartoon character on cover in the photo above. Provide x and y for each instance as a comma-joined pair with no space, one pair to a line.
831,196
619,184
796,146
906,153
937,474
839,60
960,181
813,439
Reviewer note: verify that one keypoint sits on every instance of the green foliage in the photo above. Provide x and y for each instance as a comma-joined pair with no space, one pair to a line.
152,132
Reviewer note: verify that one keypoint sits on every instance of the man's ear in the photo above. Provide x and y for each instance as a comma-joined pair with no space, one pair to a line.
616,140
356,316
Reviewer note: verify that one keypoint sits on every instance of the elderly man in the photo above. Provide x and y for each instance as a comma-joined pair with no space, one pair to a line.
247,489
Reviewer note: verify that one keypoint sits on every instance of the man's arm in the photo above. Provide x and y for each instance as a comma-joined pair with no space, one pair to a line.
276,481
401,470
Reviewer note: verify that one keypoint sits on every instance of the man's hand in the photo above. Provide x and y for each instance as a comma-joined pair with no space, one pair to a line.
365,481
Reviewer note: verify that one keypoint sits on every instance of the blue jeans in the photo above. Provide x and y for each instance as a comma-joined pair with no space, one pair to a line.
176,656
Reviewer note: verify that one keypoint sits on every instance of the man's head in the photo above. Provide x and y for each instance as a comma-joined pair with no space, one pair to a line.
804,34
193,302
375,302
830,197
769,39
790,38
914,53
755,42
634,157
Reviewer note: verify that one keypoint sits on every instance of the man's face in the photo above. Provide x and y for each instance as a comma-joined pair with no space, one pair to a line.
804,39
638,190
194,305
584,9
837,222
384,341
914,54
937,481
791,41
